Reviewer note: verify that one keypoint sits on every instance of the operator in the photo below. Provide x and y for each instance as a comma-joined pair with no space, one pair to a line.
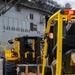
69,41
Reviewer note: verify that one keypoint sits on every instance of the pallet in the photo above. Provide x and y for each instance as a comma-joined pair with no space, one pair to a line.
31,73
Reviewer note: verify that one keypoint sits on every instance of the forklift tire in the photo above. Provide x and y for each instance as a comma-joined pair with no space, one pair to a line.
10,68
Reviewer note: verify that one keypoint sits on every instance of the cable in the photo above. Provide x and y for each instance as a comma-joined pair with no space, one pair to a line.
53,50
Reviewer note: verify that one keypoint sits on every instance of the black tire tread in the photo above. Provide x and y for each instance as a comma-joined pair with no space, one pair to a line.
10,68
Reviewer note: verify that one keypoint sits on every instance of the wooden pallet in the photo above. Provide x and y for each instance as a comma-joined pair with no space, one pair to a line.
30,73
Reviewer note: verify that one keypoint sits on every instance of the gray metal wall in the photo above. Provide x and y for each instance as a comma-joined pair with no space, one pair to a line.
1,66
20,19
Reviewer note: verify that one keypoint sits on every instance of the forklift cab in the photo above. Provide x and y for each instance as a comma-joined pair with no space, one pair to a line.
64,62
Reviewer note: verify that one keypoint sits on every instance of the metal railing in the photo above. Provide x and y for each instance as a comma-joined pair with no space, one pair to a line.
7,6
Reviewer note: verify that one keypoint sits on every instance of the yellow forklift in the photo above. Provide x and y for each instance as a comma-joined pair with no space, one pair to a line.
58,63
25,50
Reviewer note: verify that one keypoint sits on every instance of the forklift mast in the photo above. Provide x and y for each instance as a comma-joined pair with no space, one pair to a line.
24,48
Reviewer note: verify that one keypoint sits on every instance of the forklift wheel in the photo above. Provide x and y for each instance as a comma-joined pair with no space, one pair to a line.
10,68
